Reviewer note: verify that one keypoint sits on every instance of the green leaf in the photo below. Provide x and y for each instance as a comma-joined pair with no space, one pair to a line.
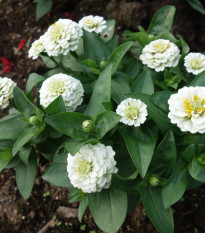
199,80
117,56
82,207
42,8
113,204
132,67
120,86
196,170
140,142
108,32
95,48
101,93
24,154
176,185
5,158
141,37
189,153
162,20
33,80
185,47
6,145
197,5
69,123
23,104
89,66
12,128
73,145
143,84
55,107
160,217
26,136
61,154
25,175
76,195
104,122
165,156
48,61
160,99
56,174
70,62
124,184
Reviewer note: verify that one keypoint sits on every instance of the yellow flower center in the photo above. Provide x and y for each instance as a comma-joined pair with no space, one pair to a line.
57,87
132,112
161,47
84,167
196,64
194,106
56,31
90,23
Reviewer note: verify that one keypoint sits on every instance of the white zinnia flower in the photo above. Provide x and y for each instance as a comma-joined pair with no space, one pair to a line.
61,37
187,109
91,168
93,23
62,84
37,48
6,91
194,63
133,112
160,54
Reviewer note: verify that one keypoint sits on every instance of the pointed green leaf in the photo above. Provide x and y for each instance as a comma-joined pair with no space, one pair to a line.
196,170
143,84
176,185
55,107
5,158
199,80
160,99
26,136
25,175
160,217
56,174
165,156
33,80
104,122
69,123
101,93
162,20
140,142
113,204
42,8
82,207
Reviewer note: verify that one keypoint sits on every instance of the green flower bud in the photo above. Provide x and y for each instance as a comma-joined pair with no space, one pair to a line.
103,64
201,160
88,126
151,36
154,181
33,120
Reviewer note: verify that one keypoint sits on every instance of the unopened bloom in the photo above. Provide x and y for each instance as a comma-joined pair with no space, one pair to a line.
160,54
187,109
92,167
93,23
62,84
133,112
62,37
194,63
6,91
37,48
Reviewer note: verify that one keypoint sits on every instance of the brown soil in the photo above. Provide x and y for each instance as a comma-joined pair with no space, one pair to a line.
17,22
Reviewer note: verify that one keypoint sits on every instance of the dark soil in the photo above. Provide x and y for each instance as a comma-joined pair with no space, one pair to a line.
17,22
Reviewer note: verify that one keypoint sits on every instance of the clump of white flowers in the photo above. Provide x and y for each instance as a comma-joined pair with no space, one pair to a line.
6,91
133,112
92,167
194,63
68,87
93,23
37,48
187,109
160,54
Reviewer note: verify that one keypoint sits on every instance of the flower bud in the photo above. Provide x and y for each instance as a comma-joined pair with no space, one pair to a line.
33,120
88,126
154,181
201,160
103,64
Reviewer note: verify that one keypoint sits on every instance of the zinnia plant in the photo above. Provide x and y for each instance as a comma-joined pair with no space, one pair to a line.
119,122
